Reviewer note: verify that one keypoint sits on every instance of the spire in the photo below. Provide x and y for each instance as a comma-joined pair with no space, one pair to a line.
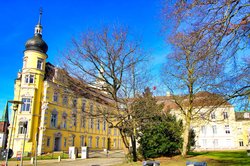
5,117
38,28
40,16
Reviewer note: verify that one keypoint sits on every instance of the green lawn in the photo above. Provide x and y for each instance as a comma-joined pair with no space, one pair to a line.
227,158
46,156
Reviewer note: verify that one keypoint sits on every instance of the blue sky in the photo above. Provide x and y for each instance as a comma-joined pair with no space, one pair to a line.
64,19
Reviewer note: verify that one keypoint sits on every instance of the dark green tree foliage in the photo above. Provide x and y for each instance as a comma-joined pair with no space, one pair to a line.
159,133
191,139
162,137
145,108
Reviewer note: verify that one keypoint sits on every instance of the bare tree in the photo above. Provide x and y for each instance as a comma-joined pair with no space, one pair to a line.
210,40
225,25
190,71
105,64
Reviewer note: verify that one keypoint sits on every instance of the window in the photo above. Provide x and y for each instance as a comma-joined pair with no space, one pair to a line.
53,120
29,79
225,115
239,130
115,131
109,130
74,103
65,142
26,104
74,119
64,120
25,62
241,142
39,64
65,100
227,129
114,143
91,123
48,141
98,124
55,96
90,142
97,142
83,121
73,140
91,108
119,143
213,115
83,105
202,115
204,142
22,127
103,142
203,130
215,142
214,129
104,124
82,140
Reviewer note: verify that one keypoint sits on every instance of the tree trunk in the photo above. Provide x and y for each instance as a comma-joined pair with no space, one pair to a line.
186,135
133,141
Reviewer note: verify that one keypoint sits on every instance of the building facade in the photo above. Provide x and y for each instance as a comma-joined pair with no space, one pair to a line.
217,126
52,117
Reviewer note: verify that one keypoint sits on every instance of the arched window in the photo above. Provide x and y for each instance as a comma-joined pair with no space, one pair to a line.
26,104
23,126
82,140
39,64
97,141
64,120
55,96
53,121
90,142
73,140
103,142
74,117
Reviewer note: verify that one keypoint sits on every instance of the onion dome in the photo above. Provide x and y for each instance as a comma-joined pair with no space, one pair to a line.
36,42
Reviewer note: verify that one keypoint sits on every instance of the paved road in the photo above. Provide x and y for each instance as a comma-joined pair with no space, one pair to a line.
77,162
97,158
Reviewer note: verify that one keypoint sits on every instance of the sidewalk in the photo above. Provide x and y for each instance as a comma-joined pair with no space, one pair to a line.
77,162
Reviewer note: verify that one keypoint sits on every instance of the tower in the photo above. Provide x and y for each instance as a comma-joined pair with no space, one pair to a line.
4,123
29,89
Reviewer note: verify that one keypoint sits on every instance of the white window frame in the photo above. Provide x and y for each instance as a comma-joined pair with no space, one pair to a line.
213,115
48,142
26,106
97,141
98,124
53,120
90,141
225,115
29,79
214,128
55,96
21,128
203,130
39,64
227,129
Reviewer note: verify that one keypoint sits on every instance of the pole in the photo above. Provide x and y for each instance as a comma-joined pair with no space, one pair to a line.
12,127
25,132
36,149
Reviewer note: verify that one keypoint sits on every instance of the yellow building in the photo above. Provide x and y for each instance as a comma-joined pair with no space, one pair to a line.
216,124
55,117
243,129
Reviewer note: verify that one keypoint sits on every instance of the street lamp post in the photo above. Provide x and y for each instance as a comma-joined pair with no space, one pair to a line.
15,104
25,132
